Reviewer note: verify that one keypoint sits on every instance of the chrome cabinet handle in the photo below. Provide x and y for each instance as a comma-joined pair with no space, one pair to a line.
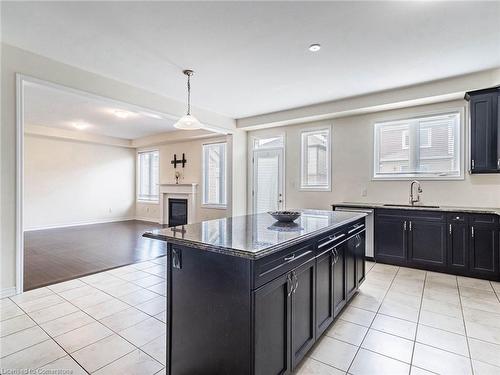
498,163
404,225
472,231
356,228
450,229
289,287
472,162
410,226
296,283
332,239
289,258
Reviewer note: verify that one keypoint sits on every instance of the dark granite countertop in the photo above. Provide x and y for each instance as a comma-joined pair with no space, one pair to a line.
476,210
253,236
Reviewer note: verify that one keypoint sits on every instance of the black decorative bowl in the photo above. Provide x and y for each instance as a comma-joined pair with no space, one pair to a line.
285,216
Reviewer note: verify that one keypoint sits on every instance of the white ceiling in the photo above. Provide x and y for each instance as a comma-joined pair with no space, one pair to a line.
252,57
61,108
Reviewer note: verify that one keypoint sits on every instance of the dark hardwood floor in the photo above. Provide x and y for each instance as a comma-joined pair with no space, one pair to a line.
55,255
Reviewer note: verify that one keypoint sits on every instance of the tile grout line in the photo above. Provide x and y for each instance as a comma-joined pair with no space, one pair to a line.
465,327
371,323
418,321
52,339
95,320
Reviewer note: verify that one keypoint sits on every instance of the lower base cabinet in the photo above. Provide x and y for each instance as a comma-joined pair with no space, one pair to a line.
294,310
456,243
272,327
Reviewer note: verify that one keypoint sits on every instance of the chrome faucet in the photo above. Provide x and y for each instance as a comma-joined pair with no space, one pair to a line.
419,190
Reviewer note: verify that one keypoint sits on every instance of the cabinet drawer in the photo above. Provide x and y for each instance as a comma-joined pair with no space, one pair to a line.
330,241
457,217
270,267
411,214
483,219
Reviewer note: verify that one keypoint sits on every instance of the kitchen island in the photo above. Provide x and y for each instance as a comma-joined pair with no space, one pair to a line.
248,295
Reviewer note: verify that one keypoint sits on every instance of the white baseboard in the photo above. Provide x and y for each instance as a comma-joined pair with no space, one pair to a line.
148,219
102,221
8,292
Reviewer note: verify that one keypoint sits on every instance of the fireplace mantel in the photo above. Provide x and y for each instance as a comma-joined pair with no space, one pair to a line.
182,191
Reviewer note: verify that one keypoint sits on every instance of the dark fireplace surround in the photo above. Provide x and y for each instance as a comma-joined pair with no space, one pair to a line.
177,211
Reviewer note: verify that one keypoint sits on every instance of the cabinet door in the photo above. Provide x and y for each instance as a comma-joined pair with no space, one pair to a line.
427,243
360,257
324,291
272,305
458,245
390,240
350,264
483,261
484,133
339,279
303,311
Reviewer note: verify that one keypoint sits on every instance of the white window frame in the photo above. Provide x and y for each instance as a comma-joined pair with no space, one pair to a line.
303,133
204,203
429,177
138,178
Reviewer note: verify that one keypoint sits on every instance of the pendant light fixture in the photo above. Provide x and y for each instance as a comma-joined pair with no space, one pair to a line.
188,122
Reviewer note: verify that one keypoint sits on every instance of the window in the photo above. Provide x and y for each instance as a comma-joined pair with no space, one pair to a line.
214,174
418,147
148,163
271,142
315,155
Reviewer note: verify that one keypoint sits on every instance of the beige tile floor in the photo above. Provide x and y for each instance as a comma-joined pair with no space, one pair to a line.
406,321
403,321
108,323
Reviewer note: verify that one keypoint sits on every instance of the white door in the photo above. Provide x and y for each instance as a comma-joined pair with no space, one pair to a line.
268,180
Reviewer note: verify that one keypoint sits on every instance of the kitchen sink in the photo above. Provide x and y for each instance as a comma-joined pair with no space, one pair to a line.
408,205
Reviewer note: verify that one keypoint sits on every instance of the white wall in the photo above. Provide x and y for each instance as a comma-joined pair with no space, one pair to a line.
192,173
15,60
352,160
71,182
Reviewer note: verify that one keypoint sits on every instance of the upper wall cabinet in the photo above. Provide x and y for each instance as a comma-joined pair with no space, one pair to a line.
484,131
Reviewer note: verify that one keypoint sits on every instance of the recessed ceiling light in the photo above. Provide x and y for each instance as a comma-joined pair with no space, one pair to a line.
121,113
315,47
80,125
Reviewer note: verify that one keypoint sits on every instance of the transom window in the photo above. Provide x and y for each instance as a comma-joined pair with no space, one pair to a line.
148,167
214,174
315,156
427,146
271,142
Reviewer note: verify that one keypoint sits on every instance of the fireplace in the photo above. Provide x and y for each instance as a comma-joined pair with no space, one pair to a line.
177,212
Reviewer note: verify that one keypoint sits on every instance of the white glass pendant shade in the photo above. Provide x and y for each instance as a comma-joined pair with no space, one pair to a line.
188,122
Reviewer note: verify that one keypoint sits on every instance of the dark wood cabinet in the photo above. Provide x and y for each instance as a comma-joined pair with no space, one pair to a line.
350,266
459,243
360,251
483,250
303,310
427,243
339,278
390,239
272,304
484,130
324,290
